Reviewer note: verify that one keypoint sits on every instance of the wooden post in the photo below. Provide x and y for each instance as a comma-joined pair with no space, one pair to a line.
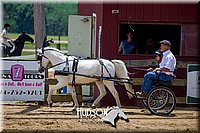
58,45
40,29
39,24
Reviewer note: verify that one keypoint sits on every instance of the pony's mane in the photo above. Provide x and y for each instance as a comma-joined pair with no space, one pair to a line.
53,49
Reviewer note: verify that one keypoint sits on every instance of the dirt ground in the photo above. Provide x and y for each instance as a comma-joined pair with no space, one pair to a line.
30,117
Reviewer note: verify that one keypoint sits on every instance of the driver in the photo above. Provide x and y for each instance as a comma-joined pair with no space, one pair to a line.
164,72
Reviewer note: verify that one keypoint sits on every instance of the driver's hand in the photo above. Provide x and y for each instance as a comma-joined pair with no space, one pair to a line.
150,69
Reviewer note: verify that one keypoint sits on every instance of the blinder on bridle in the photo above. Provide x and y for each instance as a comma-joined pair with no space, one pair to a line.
39,58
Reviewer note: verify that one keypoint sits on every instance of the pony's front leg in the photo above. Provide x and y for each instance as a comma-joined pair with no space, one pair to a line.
73,93
56,87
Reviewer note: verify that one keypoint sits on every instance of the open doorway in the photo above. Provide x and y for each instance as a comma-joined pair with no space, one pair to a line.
147,36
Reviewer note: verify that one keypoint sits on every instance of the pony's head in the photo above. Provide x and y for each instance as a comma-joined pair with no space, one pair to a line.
42,59
122,115
25,37
113,115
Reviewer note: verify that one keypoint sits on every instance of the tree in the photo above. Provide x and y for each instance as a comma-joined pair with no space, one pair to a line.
20,16
57,17
39,24
24,18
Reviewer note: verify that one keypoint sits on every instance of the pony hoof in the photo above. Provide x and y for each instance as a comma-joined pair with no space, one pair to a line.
51,105
74,110
127,120
94,107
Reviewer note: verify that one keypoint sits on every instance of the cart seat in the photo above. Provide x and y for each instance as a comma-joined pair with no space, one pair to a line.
165,83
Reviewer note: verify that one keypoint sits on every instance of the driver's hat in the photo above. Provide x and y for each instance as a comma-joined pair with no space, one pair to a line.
165,42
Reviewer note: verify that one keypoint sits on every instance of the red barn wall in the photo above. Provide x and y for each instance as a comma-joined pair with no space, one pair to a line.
185,15
86,9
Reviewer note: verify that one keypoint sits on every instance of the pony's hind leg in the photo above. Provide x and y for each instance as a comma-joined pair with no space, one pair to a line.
111,87
102,92
73,93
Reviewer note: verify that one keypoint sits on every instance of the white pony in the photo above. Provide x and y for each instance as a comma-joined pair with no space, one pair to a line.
85,67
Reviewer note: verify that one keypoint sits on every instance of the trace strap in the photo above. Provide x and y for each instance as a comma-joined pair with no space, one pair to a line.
66,65
103,66
74,70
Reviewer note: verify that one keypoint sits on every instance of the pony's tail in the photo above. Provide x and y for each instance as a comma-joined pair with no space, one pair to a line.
122,72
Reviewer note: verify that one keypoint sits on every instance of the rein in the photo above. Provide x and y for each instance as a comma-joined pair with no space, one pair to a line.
140,69
54,50
74,70
96,77
58,63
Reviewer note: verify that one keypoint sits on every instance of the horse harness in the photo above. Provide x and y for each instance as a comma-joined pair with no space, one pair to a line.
66,70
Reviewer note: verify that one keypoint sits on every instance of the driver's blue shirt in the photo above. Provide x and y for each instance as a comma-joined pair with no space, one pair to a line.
128,47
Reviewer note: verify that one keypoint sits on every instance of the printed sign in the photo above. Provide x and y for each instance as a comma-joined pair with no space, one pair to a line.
21,81
109,115
17,72
193,84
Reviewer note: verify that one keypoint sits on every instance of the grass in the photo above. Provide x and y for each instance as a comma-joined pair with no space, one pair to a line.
29,45
27,53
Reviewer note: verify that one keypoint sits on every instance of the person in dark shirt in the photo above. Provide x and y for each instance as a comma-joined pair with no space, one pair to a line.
128,46
149,46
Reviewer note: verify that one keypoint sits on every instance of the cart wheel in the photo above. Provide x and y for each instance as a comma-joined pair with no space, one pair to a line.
144,102
161,100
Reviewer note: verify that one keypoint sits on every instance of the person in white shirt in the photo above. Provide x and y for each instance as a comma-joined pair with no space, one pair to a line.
4,35
164,72
7,43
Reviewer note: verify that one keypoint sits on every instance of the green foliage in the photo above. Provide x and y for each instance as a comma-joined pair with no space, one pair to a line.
16,35
24,18
27,53
58,24
20,16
